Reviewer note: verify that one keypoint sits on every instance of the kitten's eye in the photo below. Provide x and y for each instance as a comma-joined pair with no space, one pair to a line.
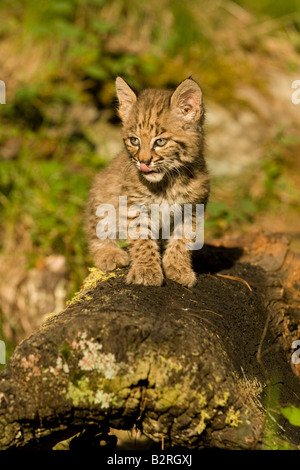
134,141
160,142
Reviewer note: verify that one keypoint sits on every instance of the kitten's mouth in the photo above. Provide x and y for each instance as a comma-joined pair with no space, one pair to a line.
145,169
150,174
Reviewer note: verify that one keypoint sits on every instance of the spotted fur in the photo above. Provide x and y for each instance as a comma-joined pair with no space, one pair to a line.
162,162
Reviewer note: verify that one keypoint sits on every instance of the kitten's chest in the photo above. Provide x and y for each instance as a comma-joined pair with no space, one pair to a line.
179,193
171,196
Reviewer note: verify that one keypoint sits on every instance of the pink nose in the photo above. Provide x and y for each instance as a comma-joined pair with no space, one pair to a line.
144,168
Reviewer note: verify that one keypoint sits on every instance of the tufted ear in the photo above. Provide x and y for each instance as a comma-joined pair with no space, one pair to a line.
186,100
126,97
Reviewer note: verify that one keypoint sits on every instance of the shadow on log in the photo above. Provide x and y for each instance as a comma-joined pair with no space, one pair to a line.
206,367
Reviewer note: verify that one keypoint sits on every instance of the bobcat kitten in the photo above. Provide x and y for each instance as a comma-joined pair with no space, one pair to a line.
162,162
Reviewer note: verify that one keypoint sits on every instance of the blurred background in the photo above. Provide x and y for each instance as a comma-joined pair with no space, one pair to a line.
59,60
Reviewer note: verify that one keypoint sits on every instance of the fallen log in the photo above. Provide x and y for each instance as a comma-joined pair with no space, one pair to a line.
206,367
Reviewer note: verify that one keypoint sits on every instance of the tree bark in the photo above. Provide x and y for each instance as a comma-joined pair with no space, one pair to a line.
206,367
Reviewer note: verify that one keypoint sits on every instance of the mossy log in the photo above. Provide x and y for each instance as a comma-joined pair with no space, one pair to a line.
194,368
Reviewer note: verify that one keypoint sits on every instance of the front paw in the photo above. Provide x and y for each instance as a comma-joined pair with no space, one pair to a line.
183,275
145,275
110,259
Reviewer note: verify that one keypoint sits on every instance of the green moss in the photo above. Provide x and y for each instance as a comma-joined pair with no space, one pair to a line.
95,276
221,400
65,351
77,376
50,315
171,364
161,369
167,397
204,416
201,399
90,282
232,418
81,392
88,297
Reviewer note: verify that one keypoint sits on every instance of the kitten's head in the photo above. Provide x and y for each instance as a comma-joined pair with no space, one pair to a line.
162,130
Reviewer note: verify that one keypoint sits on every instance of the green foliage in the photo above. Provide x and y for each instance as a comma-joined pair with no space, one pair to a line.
224,215
273,419
292,414
46,198
273,9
